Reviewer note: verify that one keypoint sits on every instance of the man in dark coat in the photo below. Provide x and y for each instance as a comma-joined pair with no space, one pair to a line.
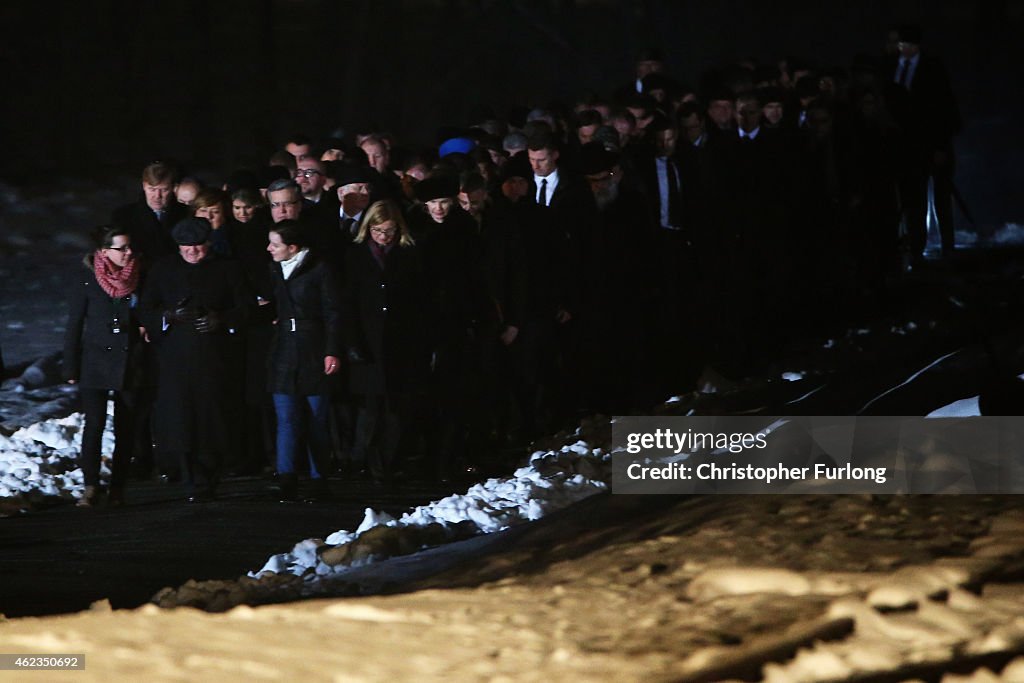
925,107
502,260
556,236
621,293
150,219
190,305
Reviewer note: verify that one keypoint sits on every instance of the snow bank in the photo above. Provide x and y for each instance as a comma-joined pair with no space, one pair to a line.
39,460
552,480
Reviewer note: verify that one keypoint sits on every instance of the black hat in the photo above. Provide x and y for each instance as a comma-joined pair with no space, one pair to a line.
242,178
191,231
594,158
437,187
346,174
660,122
910,33
650,54
657,81
771,94
517,167
268,174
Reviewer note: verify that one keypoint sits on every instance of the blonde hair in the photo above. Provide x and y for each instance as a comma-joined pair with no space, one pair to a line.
382,212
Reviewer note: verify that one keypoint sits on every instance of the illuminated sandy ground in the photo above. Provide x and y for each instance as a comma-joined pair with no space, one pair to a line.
623,589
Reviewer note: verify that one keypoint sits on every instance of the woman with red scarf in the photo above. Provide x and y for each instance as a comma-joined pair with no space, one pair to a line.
102,347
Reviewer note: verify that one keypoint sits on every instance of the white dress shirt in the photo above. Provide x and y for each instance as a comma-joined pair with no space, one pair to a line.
552,179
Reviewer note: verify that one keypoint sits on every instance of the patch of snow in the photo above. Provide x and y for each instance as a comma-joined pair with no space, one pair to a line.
40,459
965,407
550,481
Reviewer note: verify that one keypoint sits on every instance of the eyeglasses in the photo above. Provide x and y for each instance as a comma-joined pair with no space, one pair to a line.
126,247
382,231
307,173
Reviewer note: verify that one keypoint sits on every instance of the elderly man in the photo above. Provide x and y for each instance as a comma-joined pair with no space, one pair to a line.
189,305
285,200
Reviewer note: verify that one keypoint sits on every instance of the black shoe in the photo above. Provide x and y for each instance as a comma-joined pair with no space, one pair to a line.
115,497
287,488
319,491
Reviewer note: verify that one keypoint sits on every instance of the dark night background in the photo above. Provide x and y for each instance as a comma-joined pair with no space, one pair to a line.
103,87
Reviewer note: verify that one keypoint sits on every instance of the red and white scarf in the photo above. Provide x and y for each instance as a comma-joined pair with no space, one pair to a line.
115,281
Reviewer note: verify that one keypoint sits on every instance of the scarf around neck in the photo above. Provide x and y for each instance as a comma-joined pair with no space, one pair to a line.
116,282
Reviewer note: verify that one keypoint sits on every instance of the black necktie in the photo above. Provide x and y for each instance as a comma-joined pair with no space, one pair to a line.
542,198
673,194
159,216
346,224
904,72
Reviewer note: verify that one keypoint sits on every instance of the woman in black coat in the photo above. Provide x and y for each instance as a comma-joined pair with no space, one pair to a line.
384,326
102,354
304,353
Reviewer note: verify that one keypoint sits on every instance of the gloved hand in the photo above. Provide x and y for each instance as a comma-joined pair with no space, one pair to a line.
208,322
181,313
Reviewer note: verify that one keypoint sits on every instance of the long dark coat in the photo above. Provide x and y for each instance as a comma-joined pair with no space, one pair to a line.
151,238
384,318
102,348
307,328
194,367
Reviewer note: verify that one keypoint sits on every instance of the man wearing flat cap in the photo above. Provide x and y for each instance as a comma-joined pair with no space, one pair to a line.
192,304
620,298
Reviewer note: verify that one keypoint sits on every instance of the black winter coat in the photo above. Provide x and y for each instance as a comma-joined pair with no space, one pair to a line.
194,367
151,238
384,319
102,347
307,328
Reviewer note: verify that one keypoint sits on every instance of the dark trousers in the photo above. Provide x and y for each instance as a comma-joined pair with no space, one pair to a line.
914,192
94,405
378,430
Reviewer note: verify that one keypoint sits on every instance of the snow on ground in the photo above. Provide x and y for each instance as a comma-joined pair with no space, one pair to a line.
551,481
38,461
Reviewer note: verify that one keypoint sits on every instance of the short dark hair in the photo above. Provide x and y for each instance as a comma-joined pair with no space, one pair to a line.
291,233
541,140
103,238
471,181
589,117
688,109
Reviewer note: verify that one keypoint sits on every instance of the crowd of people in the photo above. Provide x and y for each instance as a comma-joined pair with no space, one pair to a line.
379,308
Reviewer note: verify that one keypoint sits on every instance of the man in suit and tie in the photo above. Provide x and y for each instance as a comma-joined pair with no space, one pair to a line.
149,219
557,236
927,110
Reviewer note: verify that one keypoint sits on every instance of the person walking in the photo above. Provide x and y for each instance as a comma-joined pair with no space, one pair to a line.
102,355
304,355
